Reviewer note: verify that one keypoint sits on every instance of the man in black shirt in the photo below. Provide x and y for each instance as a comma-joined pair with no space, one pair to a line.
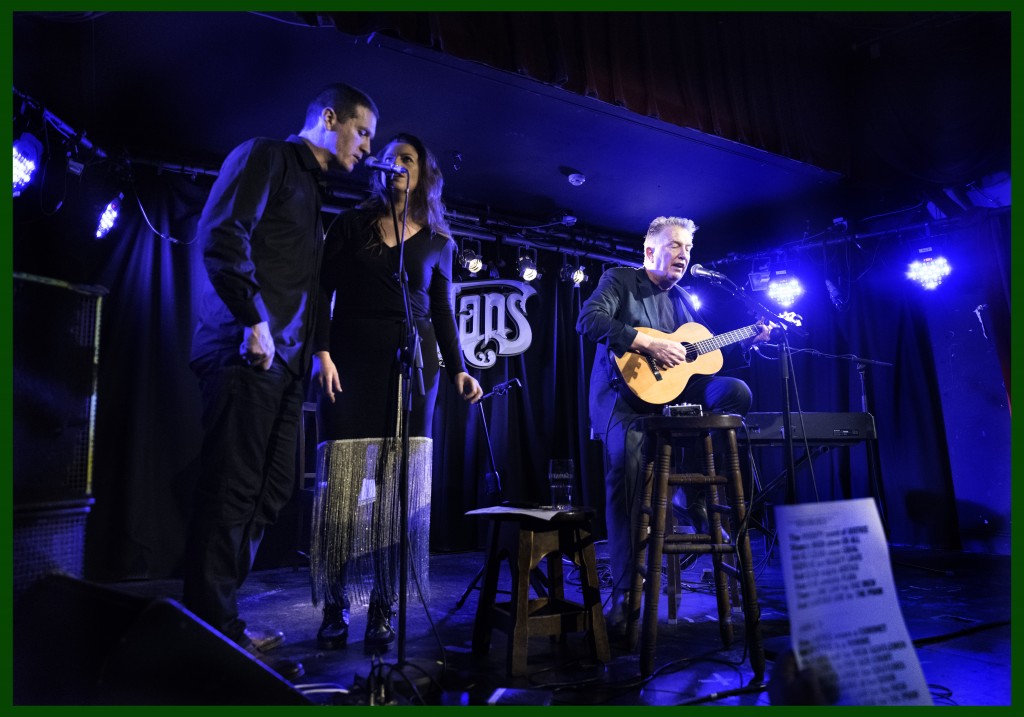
624,299
262,238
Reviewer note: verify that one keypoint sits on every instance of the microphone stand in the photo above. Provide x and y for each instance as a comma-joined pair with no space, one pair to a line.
412,367
785,326
873,458
500,390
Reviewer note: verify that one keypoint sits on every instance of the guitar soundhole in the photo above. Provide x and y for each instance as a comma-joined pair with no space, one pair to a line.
691,352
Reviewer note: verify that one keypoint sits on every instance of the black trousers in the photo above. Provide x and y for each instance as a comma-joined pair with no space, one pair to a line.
250,424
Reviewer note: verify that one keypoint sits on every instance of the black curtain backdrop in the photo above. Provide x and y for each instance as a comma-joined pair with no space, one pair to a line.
148,426
867,94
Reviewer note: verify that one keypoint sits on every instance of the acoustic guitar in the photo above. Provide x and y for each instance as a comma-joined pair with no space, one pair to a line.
657,385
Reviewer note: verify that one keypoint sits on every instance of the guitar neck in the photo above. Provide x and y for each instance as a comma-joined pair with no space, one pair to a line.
726,339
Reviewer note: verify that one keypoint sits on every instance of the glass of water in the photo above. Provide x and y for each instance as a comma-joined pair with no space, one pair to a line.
560,475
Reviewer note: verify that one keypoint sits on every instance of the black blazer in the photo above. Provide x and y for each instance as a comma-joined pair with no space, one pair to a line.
624,299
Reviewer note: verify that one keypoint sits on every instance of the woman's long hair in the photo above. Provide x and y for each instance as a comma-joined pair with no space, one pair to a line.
425,205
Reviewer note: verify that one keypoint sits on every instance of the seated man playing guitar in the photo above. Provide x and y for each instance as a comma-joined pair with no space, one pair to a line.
650,352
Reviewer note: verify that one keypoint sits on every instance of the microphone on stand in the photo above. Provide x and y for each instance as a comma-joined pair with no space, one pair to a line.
698,270
502,388
833,292
376,164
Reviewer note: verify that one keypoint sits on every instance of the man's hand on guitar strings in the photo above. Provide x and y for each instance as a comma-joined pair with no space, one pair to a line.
666,353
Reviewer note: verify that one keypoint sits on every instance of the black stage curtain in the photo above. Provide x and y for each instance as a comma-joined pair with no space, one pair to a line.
862,93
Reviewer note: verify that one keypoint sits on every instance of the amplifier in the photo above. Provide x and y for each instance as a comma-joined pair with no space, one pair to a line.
819,428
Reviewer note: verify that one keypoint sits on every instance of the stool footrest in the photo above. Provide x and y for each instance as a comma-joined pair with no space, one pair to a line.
696,479
671,547
731,570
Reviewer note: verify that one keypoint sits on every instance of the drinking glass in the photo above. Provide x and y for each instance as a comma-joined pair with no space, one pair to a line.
560,475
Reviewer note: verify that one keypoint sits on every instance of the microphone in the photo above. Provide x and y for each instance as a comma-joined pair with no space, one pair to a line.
502,388
374,163
698,270
833,292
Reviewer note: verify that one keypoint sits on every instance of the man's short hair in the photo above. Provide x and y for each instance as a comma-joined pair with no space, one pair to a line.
344,99
661,222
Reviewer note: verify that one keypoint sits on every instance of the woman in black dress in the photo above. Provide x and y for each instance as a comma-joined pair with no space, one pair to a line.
358,367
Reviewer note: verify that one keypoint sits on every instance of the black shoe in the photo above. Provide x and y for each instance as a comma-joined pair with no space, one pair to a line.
333,632
697,508
616,618
379,633
264,639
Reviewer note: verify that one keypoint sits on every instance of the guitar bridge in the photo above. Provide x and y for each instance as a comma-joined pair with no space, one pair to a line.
653,366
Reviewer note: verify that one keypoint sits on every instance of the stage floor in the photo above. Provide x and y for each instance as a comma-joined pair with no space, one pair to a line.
957,607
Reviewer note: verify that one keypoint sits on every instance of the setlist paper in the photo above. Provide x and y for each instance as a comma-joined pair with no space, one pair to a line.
845,620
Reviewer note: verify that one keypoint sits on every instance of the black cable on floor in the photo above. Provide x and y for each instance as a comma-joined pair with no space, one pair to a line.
923,641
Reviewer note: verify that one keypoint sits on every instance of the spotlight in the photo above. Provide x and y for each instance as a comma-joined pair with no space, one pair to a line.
526,265
109,216
575,274
784,290
471,261
27,151
527,268
929,271
470,258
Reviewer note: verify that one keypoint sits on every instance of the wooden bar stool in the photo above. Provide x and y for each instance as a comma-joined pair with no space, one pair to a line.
663,436
524,541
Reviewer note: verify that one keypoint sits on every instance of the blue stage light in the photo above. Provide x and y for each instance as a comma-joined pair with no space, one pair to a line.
27,151
785,290
930,271
109,216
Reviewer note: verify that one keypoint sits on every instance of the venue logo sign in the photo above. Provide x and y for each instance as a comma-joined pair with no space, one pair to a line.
492,320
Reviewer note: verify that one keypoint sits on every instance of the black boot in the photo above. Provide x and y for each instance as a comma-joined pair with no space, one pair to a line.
697,508
379,633
333,632
618,613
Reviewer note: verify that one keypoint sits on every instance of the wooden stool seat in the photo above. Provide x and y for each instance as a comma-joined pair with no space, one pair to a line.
524,541
726,539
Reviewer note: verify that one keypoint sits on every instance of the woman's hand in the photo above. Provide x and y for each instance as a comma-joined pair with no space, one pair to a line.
468,387
325,374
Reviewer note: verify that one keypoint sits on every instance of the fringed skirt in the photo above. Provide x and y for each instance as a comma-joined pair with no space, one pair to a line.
357,519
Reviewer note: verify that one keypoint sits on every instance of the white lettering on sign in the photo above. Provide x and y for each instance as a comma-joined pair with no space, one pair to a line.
492,319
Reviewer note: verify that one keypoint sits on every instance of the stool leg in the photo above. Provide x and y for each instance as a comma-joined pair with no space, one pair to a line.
556,579
591,592
656,543
751,609
722,579
488,592
636,587
715,524
519,632
672,565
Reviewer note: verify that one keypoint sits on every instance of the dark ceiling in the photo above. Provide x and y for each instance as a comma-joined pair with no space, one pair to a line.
780,123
